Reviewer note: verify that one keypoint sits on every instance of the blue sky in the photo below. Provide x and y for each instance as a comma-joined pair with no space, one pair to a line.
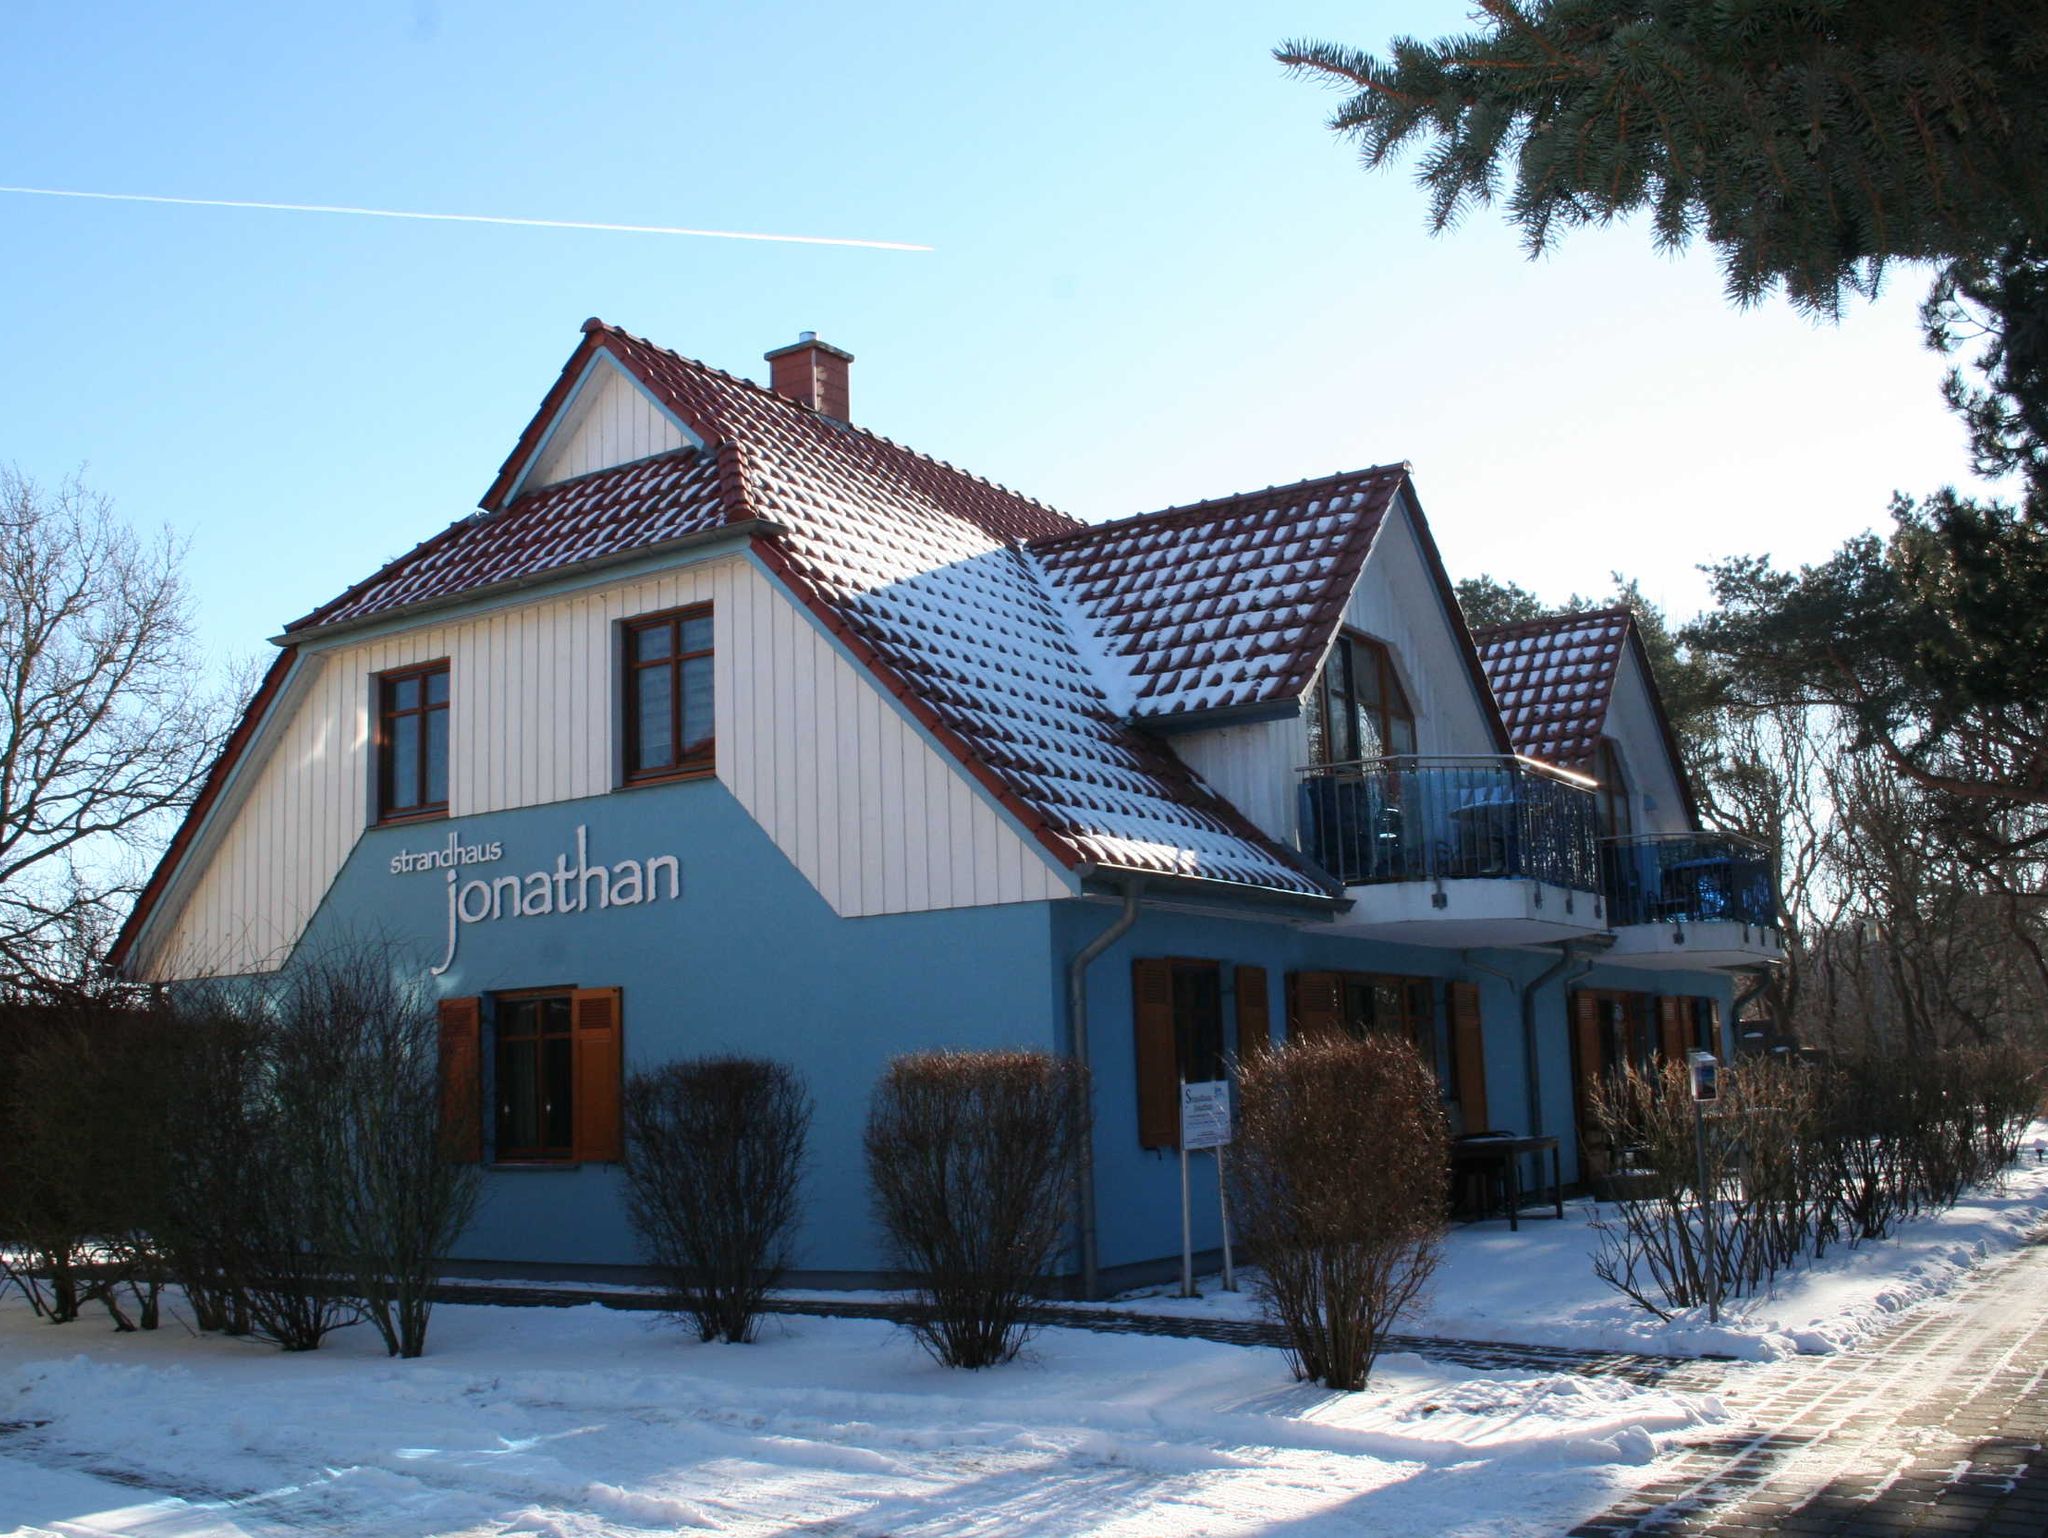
1156,278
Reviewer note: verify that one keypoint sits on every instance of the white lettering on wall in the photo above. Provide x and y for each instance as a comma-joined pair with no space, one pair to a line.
566,888
445,856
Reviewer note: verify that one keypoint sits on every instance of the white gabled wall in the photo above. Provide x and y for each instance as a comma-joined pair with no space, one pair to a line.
612,421
1658,801
1395,601
1253,768
874,816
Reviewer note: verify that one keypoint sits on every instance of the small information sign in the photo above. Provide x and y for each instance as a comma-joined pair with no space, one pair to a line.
1706,1073
1205,1114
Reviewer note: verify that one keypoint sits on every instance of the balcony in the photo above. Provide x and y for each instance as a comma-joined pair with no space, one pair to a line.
1698,900
1456,851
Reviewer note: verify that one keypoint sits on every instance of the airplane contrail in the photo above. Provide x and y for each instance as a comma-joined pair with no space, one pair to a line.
405,213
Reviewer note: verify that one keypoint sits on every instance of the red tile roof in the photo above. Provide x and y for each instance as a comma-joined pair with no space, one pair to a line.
610,512
922,571
1553,679
1223,604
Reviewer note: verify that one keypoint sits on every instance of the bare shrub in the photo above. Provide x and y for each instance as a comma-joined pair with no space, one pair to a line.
2004,1082
357,1066
82,1135
714,1163
207,1228
1780,1206
307,1187
1342,1170
971,1156
1861,1127
1799,1157
1655,1247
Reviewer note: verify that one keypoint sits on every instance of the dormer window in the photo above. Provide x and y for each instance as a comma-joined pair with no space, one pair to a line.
1357,708
1615,818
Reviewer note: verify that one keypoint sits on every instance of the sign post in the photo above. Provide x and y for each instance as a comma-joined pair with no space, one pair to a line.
1204,1123
1706,1087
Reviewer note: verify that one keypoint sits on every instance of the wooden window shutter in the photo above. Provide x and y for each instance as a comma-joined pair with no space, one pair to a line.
1417,1008
1315,1005
1254,1015
1671,1029
599,1065
1588,1061
1468,1049
462,1091
1153,1044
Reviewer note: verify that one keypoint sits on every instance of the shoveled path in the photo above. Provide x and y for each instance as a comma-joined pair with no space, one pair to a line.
1935,1425
1497,1356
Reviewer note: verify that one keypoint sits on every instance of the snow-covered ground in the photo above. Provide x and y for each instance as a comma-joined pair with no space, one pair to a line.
588,1421
1537,1287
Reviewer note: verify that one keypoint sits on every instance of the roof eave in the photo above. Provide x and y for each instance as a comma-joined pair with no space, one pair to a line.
1106,877
1249,714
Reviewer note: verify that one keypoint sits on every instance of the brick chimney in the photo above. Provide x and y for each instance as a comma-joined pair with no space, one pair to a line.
811,373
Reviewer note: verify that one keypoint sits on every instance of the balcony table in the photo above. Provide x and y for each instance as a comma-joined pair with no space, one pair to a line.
1506,1152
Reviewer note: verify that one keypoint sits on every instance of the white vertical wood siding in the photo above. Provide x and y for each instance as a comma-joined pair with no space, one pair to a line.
1396,602
613,422
876,819
1656,799
1253,768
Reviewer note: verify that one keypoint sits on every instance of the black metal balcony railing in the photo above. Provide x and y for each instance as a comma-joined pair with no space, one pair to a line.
1449,819
1687,878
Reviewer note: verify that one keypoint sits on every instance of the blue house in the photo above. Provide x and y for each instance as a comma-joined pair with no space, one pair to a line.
726,725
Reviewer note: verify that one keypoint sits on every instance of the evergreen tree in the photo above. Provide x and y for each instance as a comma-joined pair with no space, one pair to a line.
1811,142
1489,602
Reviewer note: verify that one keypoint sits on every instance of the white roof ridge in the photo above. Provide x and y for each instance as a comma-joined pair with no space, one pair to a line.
1097,652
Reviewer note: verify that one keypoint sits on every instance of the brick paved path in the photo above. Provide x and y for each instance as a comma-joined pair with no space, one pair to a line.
1936,1425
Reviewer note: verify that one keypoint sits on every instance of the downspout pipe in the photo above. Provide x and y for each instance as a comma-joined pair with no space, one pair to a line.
1077,1027
1532,1068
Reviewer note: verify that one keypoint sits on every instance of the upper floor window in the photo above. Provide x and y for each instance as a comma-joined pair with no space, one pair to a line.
1615,819
668,694
412,741
1357,708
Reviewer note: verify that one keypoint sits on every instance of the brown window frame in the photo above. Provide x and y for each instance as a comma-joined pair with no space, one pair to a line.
1392,705
503,1006
386,683
1617,816
701,760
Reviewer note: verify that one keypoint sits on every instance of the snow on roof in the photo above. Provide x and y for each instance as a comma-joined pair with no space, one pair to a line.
1225,603
610,512
1554,679
922,571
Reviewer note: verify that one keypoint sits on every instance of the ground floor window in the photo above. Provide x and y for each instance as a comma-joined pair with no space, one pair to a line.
536,1077
1177,1036
1366,1004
